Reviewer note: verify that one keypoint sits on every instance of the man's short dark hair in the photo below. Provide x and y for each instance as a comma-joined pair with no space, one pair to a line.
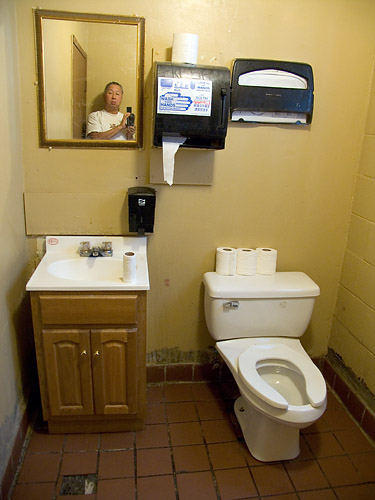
113,83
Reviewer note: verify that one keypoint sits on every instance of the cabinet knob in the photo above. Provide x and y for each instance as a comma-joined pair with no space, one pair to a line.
84,353
96,353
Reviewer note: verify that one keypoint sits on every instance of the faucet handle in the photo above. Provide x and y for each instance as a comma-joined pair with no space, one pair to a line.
84,249
107,246
106,249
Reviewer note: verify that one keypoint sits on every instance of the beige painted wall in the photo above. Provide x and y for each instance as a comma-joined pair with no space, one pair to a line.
353,332
285,187
16,341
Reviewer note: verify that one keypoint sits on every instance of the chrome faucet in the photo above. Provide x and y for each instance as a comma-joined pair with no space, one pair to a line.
85,249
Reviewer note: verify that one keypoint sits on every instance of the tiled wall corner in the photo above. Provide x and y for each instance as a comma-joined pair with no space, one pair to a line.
354,318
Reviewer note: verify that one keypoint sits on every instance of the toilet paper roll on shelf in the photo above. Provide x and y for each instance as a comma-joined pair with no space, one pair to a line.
266,260
129,267
226,261
246,261
185,48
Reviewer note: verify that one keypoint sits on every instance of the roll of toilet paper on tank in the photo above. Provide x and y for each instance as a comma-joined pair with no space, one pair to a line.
129,267
185,48
266,260
226,260
170,148
246,261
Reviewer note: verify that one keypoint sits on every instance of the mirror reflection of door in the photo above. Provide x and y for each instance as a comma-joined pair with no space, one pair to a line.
79,75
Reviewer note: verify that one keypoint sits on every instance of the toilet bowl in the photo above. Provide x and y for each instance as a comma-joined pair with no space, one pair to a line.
282,390
293,364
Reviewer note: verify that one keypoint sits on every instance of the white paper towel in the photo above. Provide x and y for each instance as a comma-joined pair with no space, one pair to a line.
266,260
129,267
170,148
226,260
246,261
185,48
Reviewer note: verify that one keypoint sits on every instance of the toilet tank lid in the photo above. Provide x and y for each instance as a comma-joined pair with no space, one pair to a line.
277,285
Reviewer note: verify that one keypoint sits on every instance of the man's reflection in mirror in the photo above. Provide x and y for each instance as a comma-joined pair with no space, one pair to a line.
109,123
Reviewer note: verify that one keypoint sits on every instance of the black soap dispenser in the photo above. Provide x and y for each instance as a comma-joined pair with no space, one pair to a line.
141,203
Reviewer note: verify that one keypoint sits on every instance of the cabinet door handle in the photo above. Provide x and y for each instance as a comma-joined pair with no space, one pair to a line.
96,353
84,353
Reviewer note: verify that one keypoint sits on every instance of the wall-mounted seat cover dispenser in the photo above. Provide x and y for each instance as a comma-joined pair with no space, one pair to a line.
191,101
265,91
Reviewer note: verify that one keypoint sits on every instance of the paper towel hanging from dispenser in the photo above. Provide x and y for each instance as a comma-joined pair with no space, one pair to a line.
265,91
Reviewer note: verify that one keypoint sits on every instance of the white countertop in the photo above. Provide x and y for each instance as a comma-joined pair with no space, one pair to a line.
62,268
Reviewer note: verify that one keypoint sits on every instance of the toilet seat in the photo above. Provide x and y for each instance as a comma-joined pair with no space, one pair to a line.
247,367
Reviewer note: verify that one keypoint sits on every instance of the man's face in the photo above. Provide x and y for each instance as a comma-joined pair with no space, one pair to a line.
112,98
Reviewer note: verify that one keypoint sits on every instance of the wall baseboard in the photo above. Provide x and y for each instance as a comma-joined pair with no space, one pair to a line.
15,456
188,372
354,394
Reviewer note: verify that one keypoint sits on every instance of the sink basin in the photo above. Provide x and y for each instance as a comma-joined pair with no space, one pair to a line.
87,268
62,268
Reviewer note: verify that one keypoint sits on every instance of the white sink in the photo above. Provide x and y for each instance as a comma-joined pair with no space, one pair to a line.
62,268
87,269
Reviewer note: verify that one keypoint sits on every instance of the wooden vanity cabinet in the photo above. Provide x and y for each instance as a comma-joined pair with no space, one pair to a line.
90,349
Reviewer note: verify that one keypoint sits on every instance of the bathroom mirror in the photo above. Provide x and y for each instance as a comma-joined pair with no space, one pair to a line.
77,55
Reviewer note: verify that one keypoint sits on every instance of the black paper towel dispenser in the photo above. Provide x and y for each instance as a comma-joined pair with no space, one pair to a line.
191,101
265,91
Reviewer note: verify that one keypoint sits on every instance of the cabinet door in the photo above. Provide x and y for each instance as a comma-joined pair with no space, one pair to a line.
68,371
114,364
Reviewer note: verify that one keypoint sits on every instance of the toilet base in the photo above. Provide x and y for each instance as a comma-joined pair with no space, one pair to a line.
266,439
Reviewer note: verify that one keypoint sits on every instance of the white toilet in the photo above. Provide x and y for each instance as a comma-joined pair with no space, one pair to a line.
256,321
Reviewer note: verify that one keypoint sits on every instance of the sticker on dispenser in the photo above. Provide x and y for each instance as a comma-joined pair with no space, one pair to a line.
184,96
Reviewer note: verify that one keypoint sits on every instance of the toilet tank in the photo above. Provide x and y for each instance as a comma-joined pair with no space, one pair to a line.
276,305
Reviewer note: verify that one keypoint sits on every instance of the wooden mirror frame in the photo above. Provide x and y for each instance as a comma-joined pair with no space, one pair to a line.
44,140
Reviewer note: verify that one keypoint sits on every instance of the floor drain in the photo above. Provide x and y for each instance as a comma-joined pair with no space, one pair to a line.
78,485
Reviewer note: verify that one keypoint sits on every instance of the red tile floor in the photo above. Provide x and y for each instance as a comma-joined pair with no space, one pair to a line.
191,449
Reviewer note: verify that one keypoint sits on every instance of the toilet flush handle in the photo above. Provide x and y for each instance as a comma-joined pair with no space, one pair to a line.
233,304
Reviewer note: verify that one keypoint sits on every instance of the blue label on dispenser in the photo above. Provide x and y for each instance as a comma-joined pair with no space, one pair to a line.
184,96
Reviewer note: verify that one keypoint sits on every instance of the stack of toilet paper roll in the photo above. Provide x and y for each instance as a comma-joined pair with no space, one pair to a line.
245,261
266,260
226,261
